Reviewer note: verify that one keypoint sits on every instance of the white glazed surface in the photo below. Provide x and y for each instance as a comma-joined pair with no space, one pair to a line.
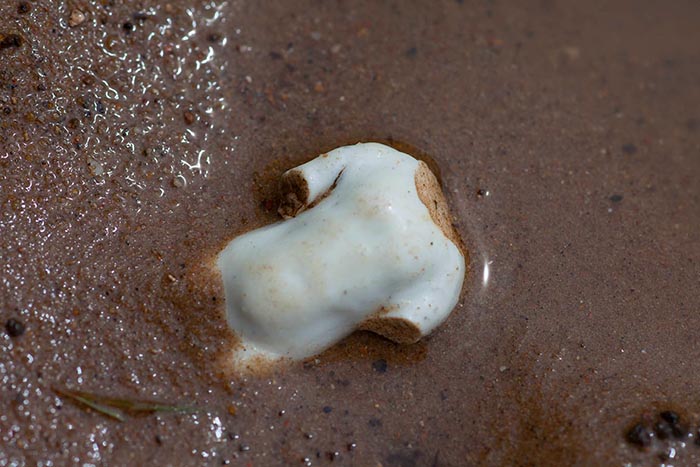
298,286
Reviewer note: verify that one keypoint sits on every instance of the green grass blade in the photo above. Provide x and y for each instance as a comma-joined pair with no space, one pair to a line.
81,398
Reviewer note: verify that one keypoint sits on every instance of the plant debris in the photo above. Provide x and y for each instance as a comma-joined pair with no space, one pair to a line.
116,407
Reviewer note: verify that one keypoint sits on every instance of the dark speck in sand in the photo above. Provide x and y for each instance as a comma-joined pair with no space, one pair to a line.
380,366
412,52
23,8
670,416
616,198
375,422
14,327
629,148
639,435
10,41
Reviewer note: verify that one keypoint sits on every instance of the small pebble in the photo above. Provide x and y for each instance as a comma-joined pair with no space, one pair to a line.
77,18
96,167
616,198
189,117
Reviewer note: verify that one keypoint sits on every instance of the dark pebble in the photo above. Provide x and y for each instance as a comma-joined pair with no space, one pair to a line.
375,422
380,366
663,430
629,148
7,111
639,435
159,440
128,26
670,416
351,446
480,193
188,117
244,448
275,55
23,8
14,328
616,198
214,37
327,409
412,52
10,40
